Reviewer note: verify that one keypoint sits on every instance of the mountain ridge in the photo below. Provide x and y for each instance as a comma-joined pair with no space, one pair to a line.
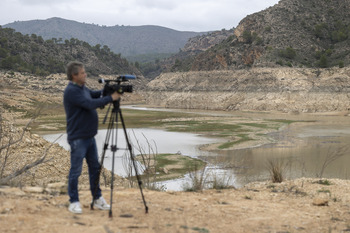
126,40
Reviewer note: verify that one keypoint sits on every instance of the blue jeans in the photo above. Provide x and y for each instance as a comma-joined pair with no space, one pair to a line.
80,149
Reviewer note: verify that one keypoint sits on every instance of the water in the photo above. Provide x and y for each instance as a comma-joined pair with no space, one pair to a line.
307,150
148,141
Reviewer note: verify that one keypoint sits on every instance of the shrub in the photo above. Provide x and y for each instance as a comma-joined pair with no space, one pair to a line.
289,53
275,168
323,62
341,64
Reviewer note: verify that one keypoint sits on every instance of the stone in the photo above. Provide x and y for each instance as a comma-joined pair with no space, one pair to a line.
33,189
320,202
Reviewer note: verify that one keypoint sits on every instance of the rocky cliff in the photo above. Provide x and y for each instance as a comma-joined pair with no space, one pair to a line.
294,33
260,89
183,59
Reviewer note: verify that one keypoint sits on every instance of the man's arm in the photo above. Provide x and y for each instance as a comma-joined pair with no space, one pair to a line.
79,99
97,94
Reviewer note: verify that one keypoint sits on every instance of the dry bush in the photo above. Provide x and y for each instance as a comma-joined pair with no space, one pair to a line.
276,169
145,163
198,178
9,140
331,156
222,180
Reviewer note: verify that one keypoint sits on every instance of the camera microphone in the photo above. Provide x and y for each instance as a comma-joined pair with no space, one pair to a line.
127,77
121,78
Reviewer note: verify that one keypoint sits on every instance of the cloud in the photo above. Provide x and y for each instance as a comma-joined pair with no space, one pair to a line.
190,15
41,2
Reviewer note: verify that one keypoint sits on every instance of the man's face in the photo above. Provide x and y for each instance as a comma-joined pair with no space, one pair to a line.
80,78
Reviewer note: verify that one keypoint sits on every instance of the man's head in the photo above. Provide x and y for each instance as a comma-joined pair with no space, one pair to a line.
76,72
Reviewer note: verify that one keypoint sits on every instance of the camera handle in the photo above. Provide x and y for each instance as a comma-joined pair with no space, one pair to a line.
113,119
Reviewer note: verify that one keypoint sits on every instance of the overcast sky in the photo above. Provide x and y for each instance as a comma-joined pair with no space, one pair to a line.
182,15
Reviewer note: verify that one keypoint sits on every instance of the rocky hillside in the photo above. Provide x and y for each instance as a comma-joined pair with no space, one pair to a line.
182,60
126,40
294,33
291,90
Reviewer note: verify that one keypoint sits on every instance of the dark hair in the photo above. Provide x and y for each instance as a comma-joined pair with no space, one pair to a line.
73,68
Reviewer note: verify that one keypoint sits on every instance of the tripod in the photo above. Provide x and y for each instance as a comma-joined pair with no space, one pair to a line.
113,119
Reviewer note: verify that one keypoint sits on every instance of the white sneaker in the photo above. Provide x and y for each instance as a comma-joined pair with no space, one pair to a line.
101,204
75,208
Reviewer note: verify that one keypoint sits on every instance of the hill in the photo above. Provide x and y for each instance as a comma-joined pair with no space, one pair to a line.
42,57
184,58
294,33
126,40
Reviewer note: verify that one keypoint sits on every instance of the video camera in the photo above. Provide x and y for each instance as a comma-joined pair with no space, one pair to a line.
117,87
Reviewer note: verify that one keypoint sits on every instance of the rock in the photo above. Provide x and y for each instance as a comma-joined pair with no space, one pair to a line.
11,190
166,171
60,188
320,202
33,189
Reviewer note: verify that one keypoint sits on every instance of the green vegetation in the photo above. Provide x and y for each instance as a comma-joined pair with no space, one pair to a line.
176,165
250,37
289,53
336,33
198,229
149,64
242,138
34,55
324,191
324,182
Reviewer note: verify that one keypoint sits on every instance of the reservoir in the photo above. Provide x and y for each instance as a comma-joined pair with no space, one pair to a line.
315,145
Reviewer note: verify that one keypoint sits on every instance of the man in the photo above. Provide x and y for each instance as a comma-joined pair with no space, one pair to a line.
80,105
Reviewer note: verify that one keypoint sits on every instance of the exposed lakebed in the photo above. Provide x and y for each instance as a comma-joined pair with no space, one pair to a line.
303,146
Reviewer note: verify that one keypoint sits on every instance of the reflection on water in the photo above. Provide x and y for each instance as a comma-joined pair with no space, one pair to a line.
312,150
147,140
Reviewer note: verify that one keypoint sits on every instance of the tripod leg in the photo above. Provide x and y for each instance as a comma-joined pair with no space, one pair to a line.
114,149
133,160
105,147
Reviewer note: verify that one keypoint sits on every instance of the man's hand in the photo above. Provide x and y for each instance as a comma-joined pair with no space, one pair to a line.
115,96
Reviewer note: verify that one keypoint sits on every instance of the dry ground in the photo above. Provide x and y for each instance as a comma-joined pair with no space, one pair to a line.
301,205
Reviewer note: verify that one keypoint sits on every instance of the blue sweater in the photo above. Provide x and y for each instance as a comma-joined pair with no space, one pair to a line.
80,104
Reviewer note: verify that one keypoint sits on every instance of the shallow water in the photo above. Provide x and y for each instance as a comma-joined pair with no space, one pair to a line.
315,147
146,140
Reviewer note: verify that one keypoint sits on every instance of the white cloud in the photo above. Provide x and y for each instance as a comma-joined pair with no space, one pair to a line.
190,15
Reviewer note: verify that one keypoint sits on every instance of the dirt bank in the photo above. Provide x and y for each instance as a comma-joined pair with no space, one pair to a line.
290,90
301,205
